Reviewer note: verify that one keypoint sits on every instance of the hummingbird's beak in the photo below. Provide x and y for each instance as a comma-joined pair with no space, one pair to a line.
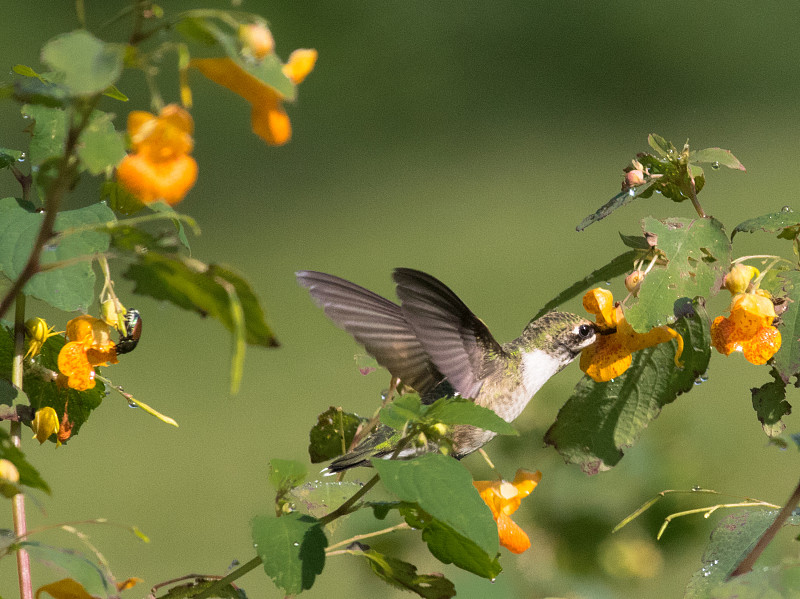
604,331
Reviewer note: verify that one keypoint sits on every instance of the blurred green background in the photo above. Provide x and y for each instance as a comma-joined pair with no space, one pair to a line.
466,140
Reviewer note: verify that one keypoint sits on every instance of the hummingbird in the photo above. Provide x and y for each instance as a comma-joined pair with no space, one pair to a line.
435,345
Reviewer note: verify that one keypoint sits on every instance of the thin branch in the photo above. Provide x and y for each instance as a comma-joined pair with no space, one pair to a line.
235,575
367,535
746,565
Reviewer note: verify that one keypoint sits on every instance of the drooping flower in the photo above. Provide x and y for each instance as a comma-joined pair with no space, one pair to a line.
504,498
44,424
89,345
159,166
268,118
748,329
9,477
38,332
610,356
256,40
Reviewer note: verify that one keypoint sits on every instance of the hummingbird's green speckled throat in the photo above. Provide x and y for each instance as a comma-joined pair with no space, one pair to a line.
434,344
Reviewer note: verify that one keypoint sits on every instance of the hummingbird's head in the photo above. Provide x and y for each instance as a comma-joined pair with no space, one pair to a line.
561,334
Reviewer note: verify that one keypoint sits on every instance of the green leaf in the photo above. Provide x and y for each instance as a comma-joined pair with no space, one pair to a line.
443,488
36,91
623,198
292,548
620,265
403,575
456,410
775,222
101,146
318,499
664,148
601,420
113,92
716,157
194,588
48,134
70,287
26,71
120,199
637,242
450,547
162,207
787,360
193,285
285,474
88,66
74,565
332,435
698,258
731,541
769,402
404,409
9,157
28,475
774,582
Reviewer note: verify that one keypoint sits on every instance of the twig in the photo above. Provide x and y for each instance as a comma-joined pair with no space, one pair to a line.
367,535
746,565
693,197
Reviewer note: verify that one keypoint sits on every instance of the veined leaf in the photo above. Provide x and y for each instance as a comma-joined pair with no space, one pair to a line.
87,65
769,402
775,222
332,435
787,359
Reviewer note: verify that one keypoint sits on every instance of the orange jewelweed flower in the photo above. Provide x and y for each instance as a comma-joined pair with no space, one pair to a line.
504,498
268,119
610,356
89,345
748,329
160,166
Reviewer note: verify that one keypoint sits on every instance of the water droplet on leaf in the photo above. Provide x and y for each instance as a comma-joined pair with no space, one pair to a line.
786,209
715,165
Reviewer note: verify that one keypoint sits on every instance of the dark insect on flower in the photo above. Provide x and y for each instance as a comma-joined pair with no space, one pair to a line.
129,338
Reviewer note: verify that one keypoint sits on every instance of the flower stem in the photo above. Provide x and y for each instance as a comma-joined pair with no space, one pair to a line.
235,575
18,501
746,565
366,535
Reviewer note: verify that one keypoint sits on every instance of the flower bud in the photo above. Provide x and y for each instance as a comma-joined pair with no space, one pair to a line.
44,423
9,477
633,281
256,40
737,280
633,178
441,428
111,312
421,440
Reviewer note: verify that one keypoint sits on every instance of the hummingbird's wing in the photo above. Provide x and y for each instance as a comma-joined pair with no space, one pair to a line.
376,323
459,344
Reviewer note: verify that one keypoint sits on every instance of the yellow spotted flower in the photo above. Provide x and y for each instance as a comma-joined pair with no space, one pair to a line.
748,329
44,424
504,498
610,356
268,118
38,332
159,166
89,345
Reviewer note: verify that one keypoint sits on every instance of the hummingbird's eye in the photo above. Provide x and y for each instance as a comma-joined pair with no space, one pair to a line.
585,331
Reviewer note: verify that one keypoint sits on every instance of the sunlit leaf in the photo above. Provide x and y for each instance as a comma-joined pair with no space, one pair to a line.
66,588
698,258
9,157
442,487
70,287
101,147
452,411
292,549
332,435
602,420
48,132
87,65
285,474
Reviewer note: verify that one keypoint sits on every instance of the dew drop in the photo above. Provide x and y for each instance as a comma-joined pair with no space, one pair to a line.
295,544
22,157
696,488
786,209
132,404
715,165
632,191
